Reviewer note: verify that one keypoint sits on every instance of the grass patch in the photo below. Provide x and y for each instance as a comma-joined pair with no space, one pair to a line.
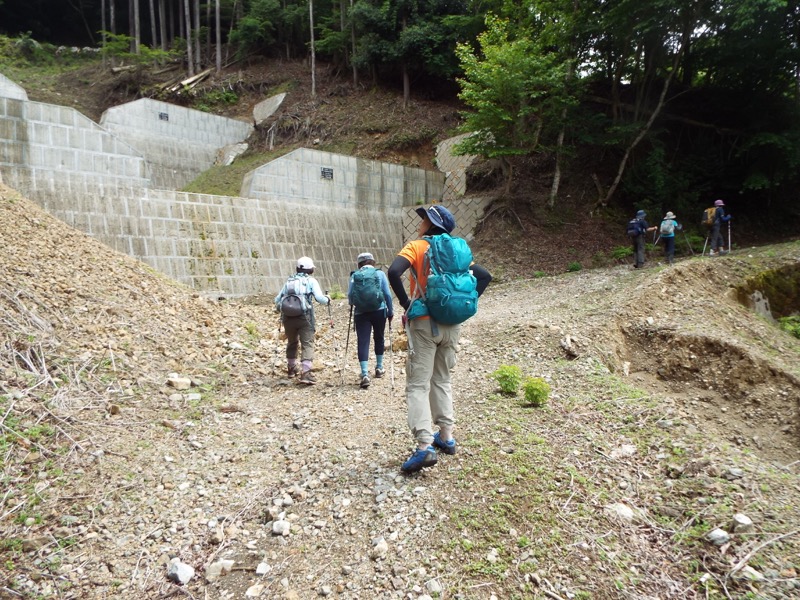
227,181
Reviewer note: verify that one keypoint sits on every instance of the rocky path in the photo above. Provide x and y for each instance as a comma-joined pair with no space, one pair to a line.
152,447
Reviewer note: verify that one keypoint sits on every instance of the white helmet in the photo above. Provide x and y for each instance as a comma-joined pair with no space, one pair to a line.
305,263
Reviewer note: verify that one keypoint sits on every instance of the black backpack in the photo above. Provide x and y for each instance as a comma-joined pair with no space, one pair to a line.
294,302
634,227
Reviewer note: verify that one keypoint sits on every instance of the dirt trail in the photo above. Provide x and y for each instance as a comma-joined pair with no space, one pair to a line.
668,397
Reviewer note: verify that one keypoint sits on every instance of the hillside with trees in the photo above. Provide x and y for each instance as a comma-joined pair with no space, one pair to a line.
661,105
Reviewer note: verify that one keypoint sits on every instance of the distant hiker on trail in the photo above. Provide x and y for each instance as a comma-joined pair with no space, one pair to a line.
636,230
441,268
717,241
669,225
297,315
369,294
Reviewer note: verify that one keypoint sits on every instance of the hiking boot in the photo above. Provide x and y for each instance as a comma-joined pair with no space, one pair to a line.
379,373
712,253
420,460
448,447
292,371
364,382
307,378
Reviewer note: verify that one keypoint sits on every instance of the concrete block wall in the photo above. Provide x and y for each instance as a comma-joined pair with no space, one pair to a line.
59,157
179,143
466,211
454,167
313,177
231,246
9,89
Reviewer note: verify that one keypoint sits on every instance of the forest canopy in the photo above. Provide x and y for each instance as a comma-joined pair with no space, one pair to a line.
667,104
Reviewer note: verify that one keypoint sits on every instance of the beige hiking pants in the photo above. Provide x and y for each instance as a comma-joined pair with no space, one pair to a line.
429,394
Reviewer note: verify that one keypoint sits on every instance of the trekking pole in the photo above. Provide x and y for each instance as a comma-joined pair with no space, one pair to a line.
686,239
391,358
335,341
729,236
704,247
347,343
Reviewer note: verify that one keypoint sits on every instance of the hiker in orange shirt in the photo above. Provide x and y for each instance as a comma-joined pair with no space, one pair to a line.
432,346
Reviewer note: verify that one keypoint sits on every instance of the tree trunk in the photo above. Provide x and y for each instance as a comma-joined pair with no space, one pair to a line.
208,30
313,55
137,27
651,120
197,55
111,17
353,43
153,38
162,25
103,28
219,38
187,17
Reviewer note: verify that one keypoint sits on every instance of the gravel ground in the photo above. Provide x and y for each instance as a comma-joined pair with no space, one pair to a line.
148,435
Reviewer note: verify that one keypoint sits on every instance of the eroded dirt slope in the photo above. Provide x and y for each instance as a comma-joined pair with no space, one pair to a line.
668,398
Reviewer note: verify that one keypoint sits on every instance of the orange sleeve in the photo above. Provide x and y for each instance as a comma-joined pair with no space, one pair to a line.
414,252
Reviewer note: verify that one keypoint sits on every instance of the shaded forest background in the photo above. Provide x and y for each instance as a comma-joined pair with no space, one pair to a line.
658,104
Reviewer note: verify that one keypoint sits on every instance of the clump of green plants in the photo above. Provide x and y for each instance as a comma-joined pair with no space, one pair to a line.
509,377
790,325
621,252
536,391
574,267
539,274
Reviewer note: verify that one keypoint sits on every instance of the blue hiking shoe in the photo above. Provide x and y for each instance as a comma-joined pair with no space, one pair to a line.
420,460
448,447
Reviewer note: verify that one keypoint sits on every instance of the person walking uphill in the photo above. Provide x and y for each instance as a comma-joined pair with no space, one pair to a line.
368,293
669,225
297,315
432,341
636,230
717,241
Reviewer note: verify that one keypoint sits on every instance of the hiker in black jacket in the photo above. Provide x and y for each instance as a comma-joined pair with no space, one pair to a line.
717,241
637,237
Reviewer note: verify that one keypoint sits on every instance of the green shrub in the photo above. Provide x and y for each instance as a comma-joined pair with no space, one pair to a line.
621,252
574,266
790,325
536,390
539,274
509,377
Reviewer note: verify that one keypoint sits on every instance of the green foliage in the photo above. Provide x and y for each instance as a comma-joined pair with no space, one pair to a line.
227,180
212,99
574,266
256,29
539,274
790,325
513,88
118,46
536,391
509,377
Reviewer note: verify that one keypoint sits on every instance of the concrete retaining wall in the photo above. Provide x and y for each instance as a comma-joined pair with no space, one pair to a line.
178,143
61,158
312,177
9,89
326,206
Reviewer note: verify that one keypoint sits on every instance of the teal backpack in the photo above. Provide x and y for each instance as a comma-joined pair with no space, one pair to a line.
451,296
366,293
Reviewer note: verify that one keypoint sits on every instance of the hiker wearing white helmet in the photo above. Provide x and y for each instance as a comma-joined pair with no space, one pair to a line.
297,315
